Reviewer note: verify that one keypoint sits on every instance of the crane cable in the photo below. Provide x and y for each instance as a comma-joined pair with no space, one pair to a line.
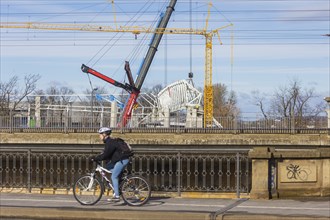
133,55
190,36
231,58
90,82
89,79
231,49
108,43
141,12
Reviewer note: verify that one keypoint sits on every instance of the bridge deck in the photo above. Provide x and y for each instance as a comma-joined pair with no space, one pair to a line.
31,206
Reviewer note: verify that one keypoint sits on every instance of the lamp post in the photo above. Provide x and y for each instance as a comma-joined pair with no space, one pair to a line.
92,99
327,99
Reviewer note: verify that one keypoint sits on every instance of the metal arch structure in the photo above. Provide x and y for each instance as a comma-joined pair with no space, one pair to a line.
178,104
179,95
182,95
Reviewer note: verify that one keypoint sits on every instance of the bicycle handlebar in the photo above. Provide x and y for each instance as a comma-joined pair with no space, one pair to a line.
92,160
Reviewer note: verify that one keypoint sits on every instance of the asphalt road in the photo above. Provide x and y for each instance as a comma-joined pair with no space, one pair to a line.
41,206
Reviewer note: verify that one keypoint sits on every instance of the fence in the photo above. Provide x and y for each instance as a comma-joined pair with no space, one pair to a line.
166,170
88,124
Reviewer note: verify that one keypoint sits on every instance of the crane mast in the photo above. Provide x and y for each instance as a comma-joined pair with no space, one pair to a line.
208,87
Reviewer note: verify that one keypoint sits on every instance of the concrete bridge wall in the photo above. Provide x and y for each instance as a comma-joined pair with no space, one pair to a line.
283,165
201,139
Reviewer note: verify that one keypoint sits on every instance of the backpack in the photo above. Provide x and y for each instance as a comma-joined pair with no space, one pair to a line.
124,148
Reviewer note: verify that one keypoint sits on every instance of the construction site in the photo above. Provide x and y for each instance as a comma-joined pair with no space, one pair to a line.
191,107
179,103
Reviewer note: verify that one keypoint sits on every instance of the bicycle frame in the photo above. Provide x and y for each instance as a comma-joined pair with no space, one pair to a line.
102,171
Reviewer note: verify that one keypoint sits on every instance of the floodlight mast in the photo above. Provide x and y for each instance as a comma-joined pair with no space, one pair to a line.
134,88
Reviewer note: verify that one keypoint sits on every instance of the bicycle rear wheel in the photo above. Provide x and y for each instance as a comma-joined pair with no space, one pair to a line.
88,190
135,190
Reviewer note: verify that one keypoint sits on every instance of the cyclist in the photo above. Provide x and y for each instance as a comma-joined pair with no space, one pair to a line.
115,163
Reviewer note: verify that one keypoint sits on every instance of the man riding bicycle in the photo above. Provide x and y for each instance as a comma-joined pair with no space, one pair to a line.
116,162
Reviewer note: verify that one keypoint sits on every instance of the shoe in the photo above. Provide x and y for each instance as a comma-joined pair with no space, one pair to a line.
114,199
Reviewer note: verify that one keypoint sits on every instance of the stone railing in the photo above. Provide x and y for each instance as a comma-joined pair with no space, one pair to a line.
290,172
56,167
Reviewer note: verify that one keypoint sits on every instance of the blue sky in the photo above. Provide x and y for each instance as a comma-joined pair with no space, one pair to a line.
275,41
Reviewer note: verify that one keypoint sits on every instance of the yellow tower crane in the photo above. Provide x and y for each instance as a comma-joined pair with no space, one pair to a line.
208,89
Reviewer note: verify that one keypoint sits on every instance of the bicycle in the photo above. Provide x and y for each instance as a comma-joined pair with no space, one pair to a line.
89,189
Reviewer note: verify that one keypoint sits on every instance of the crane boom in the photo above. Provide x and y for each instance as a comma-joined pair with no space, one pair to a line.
154,45
147,62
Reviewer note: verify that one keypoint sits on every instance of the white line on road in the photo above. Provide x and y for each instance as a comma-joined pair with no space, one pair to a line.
187,205
193,205
248,207
279,207
38,200
73,201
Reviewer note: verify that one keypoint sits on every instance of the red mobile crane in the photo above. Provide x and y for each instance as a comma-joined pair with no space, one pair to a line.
134,88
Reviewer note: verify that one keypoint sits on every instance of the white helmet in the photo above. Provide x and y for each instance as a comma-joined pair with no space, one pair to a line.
105,130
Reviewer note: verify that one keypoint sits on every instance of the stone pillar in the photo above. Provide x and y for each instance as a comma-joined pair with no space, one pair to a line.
37,111
66,119
260,173
189,118
199,119
325,155
28,116
327,99
154,115
114,111
328,112
166,117
194,117
134,120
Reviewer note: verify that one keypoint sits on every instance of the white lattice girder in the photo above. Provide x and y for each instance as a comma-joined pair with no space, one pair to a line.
179,95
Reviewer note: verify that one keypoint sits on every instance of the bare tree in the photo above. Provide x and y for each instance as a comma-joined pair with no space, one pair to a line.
97,100
259,100
290,101
224,102
54,101
59,95
88,93
11,95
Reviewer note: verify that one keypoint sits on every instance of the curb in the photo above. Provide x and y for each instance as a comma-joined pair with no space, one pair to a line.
192,195
97,214
86,214
235,216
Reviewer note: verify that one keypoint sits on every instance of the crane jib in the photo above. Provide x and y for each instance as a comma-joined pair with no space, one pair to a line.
89,70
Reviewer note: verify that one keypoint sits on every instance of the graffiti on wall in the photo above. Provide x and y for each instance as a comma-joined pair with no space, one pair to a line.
297,171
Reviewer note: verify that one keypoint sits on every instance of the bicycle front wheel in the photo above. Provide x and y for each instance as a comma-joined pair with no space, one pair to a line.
135,190
88,190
